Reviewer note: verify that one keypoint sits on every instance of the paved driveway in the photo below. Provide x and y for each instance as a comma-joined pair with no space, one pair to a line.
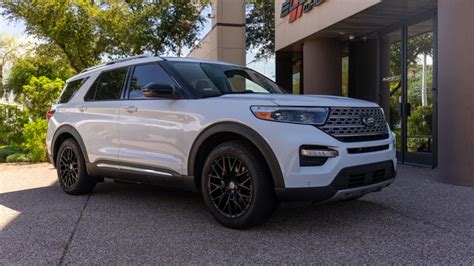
416,220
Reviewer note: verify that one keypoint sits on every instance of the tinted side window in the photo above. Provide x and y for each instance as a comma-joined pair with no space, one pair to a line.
108,86
71,89
143,75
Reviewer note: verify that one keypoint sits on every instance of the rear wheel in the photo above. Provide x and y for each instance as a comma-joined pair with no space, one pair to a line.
71,168
236,186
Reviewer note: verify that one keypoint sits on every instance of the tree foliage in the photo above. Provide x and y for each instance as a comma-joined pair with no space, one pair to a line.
39,95
45,60
86,31
8,47
417,45
260,27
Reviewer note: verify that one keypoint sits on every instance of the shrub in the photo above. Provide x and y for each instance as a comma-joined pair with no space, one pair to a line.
12,120
6,151
18,158
34,135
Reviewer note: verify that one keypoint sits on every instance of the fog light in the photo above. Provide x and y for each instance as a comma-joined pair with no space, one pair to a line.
319,153
314,155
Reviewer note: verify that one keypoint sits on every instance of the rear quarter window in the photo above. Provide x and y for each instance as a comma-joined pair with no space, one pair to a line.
108,86
70,90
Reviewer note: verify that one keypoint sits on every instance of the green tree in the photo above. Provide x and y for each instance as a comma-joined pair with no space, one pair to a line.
8,47
86,31
260,27
39,95
44,60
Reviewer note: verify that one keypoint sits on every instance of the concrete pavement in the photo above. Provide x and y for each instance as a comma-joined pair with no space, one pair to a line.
416,220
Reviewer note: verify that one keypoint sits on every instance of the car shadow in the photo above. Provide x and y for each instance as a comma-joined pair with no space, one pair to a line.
43,202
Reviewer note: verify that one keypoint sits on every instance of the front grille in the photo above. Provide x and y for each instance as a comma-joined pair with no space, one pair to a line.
345,124
364,175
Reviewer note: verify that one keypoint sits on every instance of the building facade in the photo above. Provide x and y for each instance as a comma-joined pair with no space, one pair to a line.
413,57
225,41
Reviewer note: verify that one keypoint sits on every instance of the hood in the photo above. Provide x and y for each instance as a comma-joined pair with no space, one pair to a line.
303,100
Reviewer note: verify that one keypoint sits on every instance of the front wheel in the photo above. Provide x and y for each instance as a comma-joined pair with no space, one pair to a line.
236,186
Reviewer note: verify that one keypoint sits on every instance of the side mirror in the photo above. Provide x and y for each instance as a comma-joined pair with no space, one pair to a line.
157,90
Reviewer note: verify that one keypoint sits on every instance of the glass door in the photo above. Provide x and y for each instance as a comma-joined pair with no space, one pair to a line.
391,87
407,88
419,94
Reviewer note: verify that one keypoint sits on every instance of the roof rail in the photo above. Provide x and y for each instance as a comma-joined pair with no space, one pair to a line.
92,67
116,61
126,59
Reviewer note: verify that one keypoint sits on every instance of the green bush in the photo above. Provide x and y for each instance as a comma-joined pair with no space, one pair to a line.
34,135
18,158
6,151
12,120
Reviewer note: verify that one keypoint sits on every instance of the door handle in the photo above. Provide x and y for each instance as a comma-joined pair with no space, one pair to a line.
82,108
131,109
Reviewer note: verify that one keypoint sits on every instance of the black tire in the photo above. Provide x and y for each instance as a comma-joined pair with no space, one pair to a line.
71,169
242,194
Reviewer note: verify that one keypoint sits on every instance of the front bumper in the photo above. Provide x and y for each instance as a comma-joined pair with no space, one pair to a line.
350,182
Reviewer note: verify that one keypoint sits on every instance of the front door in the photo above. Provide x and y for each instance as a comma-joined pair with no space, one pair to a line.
407,70
150,129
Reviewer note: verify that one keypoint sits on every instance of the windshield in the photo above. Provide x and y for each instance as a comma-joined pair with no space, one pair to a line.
210,79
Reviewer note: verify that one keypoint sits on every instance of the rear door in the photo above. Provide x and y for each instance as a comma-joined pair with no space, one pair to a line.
98,126
151,129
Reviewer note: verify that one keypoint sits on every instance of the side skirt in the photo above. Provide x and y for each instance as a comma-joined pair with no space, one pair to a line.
141,174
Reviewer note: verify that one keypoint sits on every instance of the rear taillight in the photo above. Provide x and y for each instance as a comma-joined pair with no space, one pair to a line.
50,114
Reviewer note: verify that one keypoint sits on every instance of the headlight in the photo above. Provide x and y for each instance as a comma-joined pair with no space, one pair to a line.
299,115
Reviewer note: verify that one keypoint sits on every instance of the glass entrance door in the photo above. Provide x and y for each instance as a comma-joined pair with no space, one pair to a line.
391,87
419,93
407,95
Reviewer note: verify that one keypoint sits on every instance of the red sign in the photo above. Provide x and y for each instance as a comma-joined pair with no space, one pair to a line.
296,8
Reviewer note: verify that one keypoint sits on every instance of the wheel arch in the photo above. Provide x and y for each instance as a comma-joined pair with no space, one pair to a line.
62,133
232,131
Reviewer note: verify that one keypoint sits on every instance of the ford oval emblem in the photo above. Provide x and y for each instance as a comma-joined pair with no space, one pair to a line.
368,121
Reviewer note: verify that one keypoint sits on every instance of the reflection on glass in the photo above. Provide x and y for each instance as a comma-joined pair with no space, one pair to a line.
419,87
391,80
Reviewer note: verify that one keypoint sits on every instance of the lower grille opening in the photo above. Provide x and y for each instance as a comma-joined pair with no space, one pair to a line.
367,149
364,175
378,176
356,180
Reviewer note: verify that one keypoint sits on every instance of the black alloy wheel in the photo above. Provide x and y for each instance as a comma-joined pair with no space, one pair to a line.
237,186
230,186
71,168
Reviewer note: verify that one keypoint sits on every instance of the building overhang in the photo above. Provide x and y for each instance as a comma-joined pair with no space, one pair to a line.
334,19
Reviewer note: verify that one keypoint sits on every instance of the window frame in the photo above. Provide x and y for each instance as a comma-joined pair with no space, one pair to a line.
81,84
177,88
127,74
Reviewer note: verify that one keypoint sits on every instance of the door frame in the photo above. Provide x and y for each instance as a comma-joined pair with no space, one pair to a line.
403,156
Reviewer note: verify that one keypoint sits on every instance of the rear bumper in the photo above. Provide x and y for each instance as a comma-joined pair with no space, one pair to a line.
350,182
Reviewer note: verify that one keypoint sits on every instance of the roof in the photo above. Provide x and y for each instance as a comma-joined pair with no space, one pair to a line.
140,59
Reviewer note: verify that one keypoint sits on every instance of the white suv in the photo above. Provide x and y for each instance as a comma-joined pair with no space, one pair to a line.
221,129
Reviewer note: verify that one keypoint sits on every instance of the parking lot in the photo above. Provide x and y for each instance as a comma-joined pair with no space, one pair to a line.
416,220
